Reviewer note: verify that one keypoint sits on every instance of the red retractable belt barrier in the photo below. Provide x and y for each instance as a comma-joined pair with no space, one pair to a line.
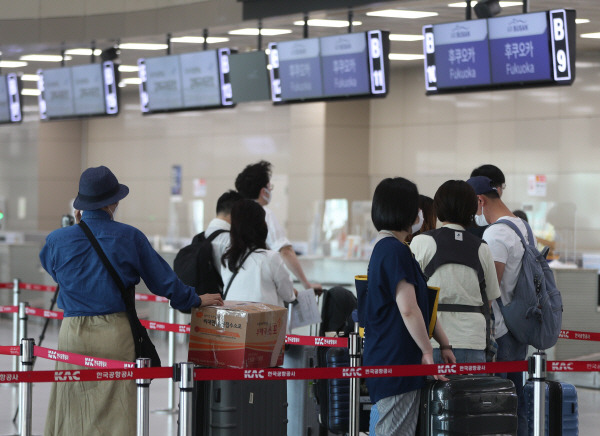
9,309
581,336
6,285
32,287
10,350
289,373
43,313
80,359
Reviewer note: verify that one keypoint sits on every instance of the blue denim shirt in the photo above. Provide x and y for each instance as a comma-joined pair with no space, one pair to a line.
86,287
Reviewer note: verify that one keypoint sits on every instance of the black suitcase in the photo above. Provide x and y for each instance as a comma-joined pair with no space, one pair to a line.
562,415
240,408
468,405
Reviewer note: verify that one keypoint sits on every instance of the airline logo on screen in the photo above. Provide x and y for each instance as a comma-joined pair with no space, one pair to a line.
376,62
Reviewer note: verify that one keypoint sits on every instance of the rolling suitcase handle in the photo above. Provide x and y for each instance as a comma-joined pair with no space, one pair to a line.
291,304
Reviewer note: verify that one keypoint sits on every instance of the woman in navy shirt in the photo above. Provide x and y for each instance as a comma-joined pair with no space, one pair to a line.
396,309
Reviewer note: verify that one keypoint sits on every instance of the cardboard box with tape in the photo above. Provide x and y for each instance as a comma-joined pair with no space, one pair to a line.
239,334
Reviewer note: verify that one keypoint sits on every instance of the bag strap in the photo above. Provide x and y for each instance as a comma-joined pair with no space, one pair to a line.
235,273
104,259
514,227
216,233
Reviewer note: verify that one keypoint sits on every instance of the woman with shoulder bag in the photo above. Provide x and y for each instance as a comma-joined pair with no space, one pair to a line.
95,320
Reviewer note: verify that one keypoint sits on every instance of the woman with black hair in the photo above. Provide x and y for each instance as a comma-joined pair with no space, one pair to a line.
461,265
397,307
249,270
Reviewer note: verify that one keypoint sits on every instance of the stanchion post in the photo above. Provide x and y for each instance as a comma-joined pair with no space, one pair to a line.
186,389
354,344
171,386
26,388
16,336
143,399
23,319
537,373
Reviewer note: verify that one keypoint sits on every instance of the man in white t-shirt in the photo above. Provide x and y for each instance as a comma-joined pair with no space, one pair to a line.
254,183
507,251
221,222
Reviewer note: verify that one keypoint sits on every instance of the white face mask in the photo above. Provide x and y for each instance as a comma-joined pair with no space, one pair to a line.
267,195
480,219
417,226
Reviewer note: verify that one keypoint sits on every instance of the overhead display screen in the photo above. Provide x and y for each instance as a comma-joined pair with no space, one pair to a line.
519,48
462,56
503,52
300,69
10,99
345,64
185,81
249,77
78,91
340,66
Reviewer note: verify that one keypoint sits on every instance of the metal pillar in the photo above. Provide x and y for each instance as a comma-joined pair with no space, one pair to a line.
143,399
23,319
171,336
354,344
537,373
186,388
25,392
16,336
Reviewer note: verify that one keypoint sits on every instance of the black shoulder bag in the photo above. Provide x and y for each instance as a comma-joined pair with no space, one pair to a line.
143,345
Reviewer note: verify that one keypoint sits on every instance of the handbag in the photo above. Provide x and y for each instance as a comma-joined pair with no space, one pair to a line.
143,345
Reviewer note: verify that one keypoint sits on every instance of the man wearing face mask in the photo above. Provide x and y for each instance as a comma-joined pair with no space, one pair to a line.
254,183
95,322
499,182
507,252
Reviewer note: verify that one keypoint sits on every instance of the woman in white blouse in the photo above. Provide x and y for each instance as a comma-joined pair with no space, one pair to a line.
249,270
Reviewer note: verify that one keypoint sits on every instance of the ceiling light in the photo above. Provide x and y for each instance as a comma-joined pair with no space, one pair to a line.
29,91
503,4
595,35
254,32
142,46
581,21
83,51
399,13
401,37
12,64
199,39
328,23
405,57
44,58
128,68
30,77
131,81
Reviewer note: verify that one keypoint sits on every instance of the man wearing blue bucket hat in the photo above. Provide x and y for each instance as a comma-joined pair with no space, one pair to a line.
95,321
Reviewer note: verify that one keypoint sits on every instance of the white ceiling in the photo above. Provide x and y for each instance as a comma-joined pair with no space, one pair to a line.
589,9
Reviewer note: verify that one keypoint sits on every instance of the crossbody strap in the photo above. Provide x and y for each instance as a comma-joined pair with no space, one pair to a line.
104,259
235,273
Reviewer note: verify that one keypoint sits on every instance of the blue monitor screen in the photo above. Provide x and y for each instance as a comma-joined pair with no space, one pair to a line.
519,48
462,56
300,69
345,65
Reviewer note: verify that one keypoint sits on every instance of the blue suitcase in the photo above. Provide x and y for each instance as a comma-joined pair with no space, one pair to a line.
562,416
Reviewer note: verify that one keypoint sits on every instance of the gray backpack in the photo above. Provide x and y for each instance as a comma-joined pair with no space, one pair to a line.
534,316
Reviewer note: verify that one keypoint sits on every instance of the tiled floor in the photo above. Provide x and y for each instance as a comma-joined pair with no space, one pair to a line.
162,424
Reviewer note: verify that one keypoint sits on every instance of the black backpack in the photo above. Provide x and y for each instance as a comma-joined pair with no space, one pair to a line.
194,265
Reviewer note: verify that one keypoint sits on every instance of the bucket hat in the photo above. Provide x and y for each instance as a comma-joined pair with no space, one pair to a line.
98,187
